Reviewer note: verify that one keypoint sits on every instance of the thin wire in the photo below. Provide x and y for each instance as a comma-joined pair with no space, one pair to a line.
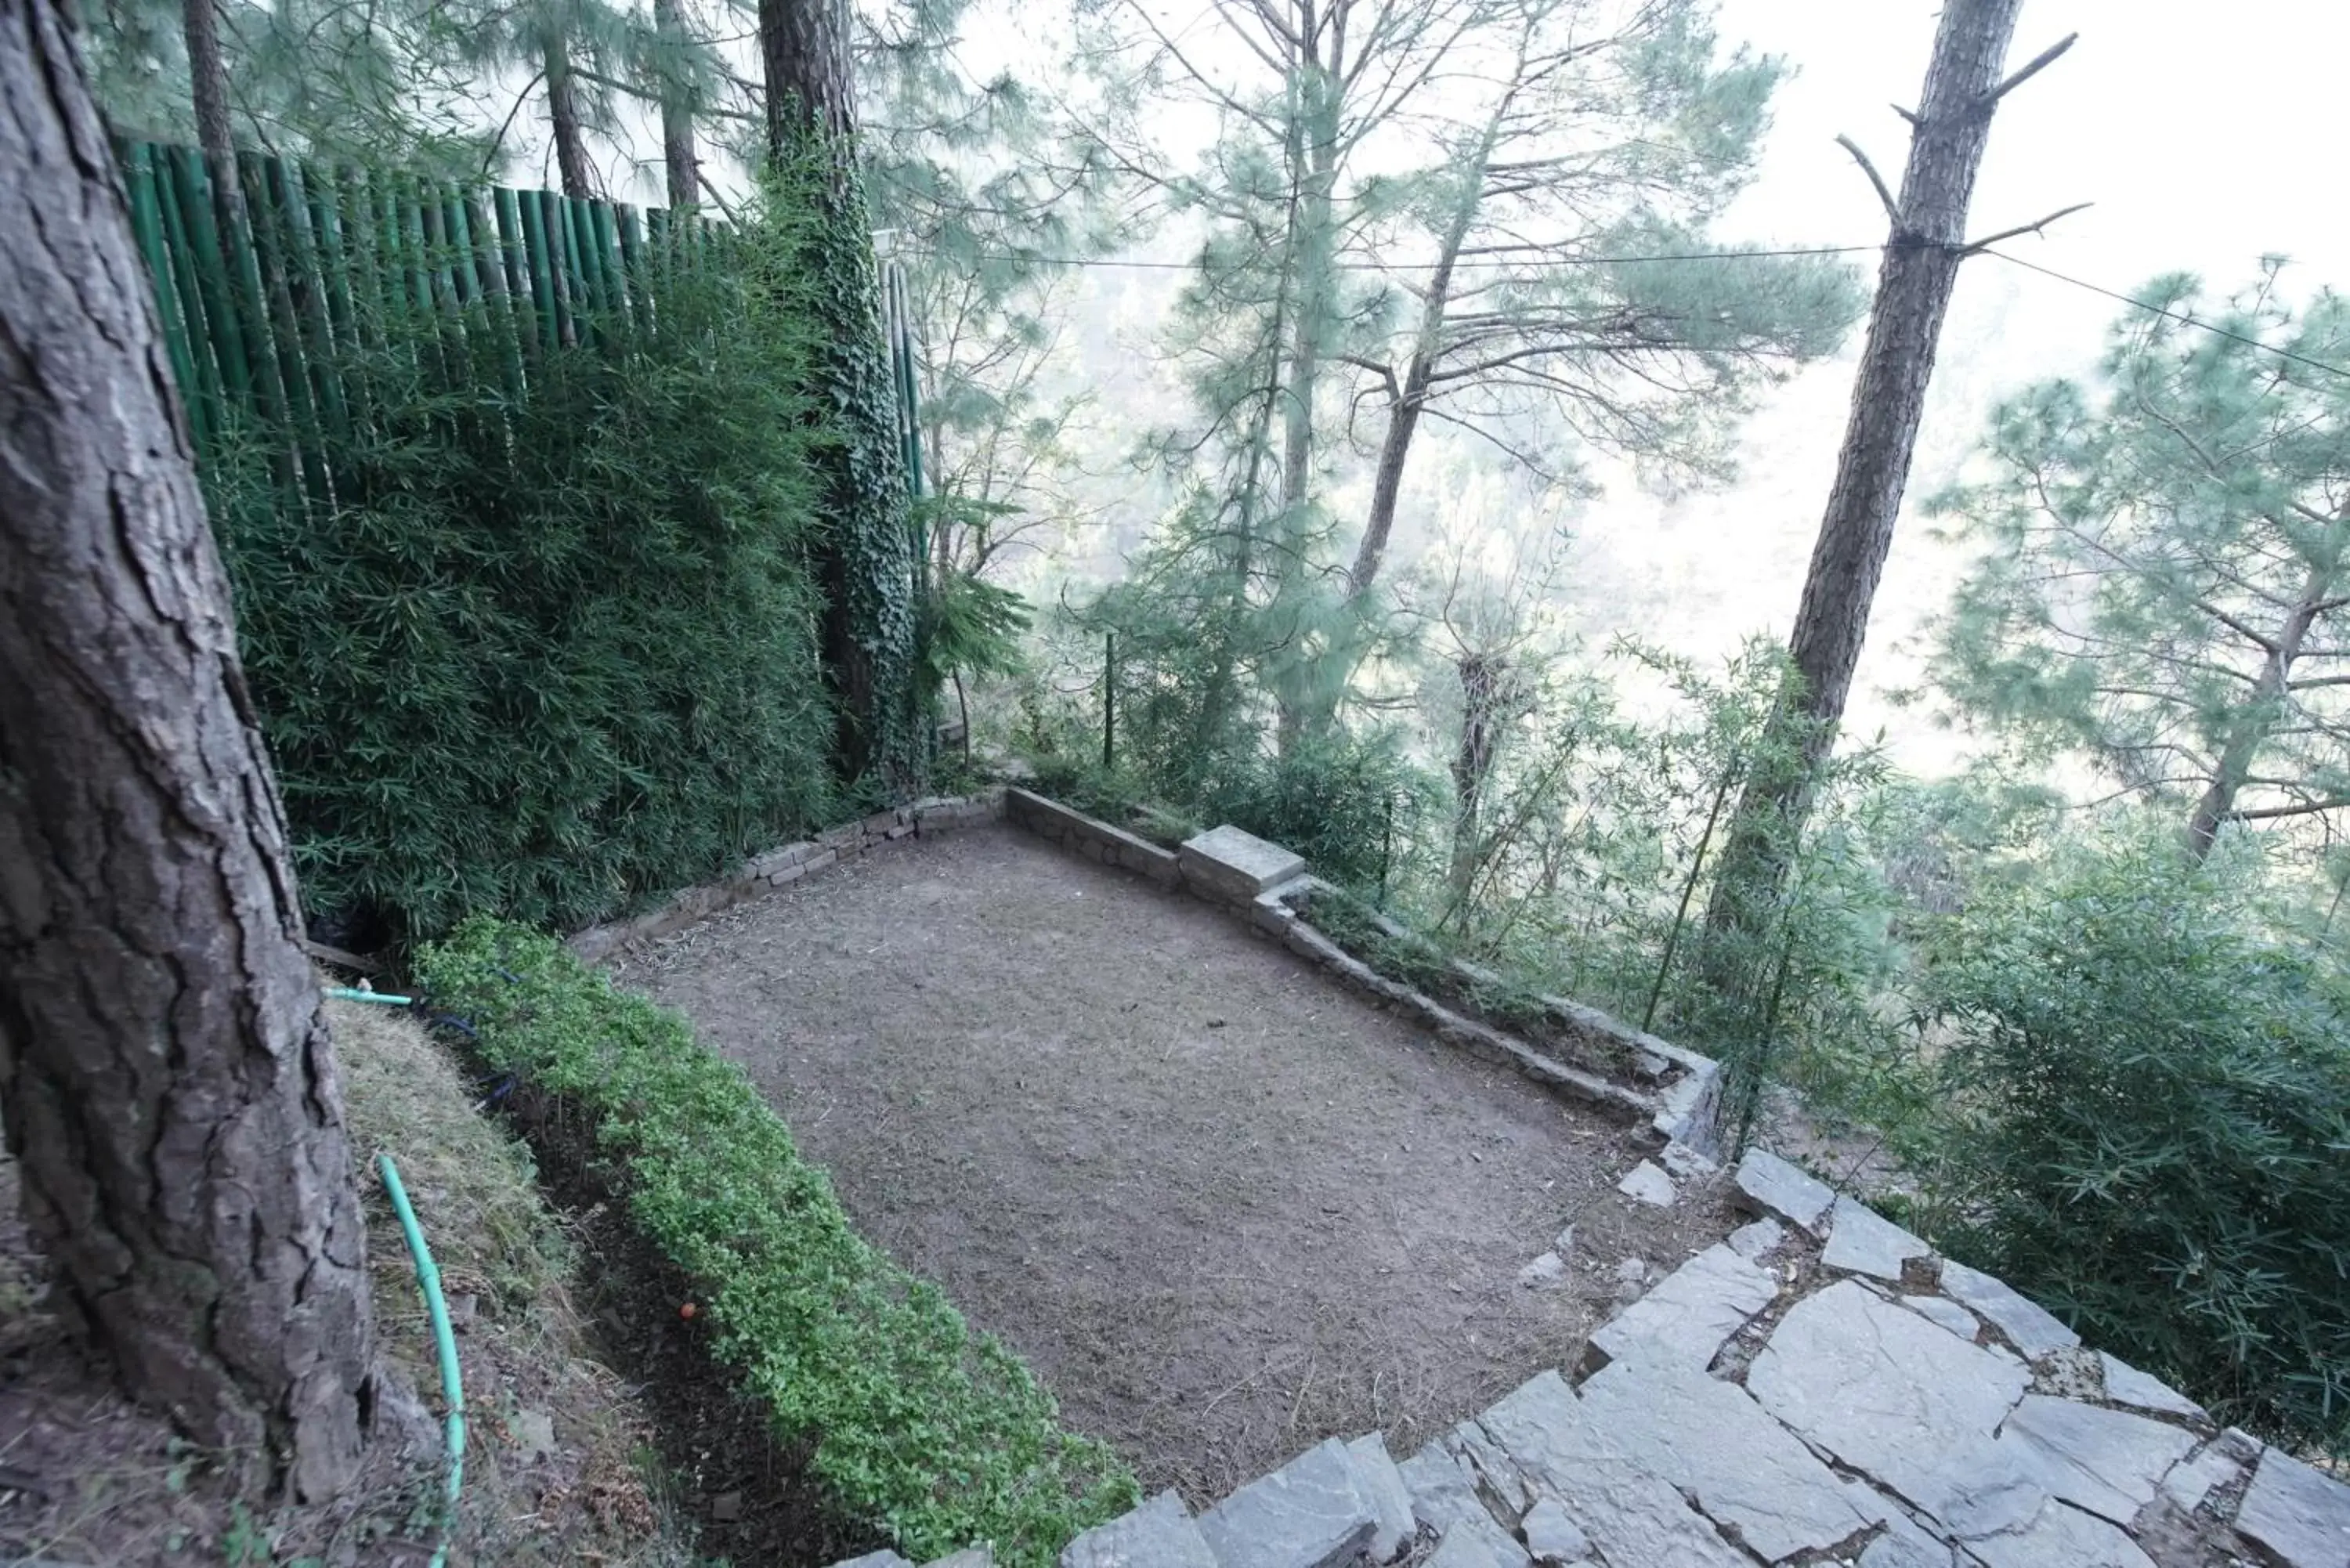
1458,266
2183,320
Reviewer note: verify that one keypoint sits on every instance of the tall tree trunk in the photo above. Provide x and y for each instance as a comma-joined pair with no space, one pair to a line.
864,562
2253,724
679,157
1485,678
804,45
1913,293
166,1080
1403,417
563,114
208,83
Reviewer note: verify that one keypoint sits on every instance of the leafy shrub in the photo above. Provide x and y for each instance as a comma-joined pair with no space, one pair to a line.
1348,802
2148,1127
941,1435
547,653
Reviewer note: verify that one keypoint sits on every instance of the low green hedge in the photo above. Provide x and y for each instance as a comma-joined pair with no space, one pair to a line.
938,1434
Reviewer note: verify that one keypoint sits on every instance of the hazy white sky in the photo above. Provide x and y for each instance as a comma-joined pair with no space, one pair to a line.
2203,135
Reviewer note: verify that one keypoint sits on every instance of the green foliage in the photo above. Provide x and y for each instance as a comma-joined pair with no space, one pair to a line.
2145,1124
1348,802
2159,587
938,1435
546,655
865,554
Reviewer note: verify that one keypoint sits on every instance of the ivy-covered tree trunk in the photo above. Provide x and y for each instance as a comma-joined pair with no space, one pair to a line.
166,1081
866,566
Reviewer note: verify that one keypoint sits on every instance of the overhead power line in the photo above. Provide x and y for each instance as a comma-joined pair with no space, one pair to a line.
1470,264
1474,263
2180,316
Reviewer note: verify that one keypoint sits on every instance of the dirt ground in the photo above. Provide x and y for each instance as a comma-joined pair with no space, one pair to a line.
1224,1208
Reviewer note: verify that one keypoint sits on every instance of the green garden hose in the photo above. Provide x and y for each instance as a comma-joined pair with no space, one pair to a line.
452,1383
347,993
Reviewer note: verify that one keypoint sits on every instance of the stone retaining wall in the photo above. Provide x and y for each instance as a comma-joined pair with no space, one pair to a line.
779,868
1672,1091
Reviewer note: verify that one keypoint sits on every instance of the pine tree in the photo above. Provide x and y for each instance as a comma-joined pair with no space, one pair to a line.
2163,578
166,1079
1949,133
1605,134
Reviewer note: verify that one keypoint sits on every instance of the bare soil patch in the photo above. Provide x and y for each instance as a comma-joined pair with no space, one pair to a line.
1224,1208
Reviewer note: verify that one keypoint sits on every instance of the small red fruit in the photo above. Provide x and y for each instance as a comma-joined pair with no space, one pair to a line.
687,1310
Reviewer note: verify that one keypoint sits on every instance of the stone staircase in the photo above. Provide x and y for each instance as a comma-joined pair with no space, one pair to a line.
1818,1389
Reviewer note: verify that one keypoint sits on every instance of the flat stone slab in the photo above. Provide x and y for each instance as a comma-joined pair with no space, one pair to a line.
980,1556
2300,1514
1948,1313
1771,1186
1751,1242
2126,1385
2029,1326
1158,1534
2060,1537
1236,866
1552,1538
1381,1485
1863,1242
1310,1513
1713,1442
1691,1314
1477,1544
1632,1515
885,1558
1443,1492
1647,1182
1909,1405
2108,1462
1904,1543
2223,1462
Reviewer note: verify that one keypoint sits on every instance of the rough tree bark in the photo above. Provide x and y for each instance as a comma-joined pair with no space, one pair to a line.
208,82
1485,680
1948,135
864,563
805,44
679,157
166,1081
563,115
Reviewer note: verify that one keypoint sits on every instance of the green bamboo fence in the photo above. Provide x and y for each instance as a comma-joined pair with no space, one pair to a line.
270,276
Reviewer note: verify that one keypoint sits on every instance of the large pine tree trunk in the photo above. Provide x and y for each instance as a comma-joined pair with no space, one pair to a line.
809,82
208,82
563,117
165,1076
679,157
1913,294
865,563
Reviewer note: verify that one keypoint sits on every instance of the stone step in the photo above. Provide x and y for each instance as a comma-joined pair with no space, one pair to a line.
1310,1513
885,1558
980,1556
1382,1486
1159,1534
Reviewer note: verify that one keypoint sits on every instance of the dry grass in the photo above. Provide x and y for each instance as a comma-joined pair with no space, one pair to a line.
557,1467
555,1472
